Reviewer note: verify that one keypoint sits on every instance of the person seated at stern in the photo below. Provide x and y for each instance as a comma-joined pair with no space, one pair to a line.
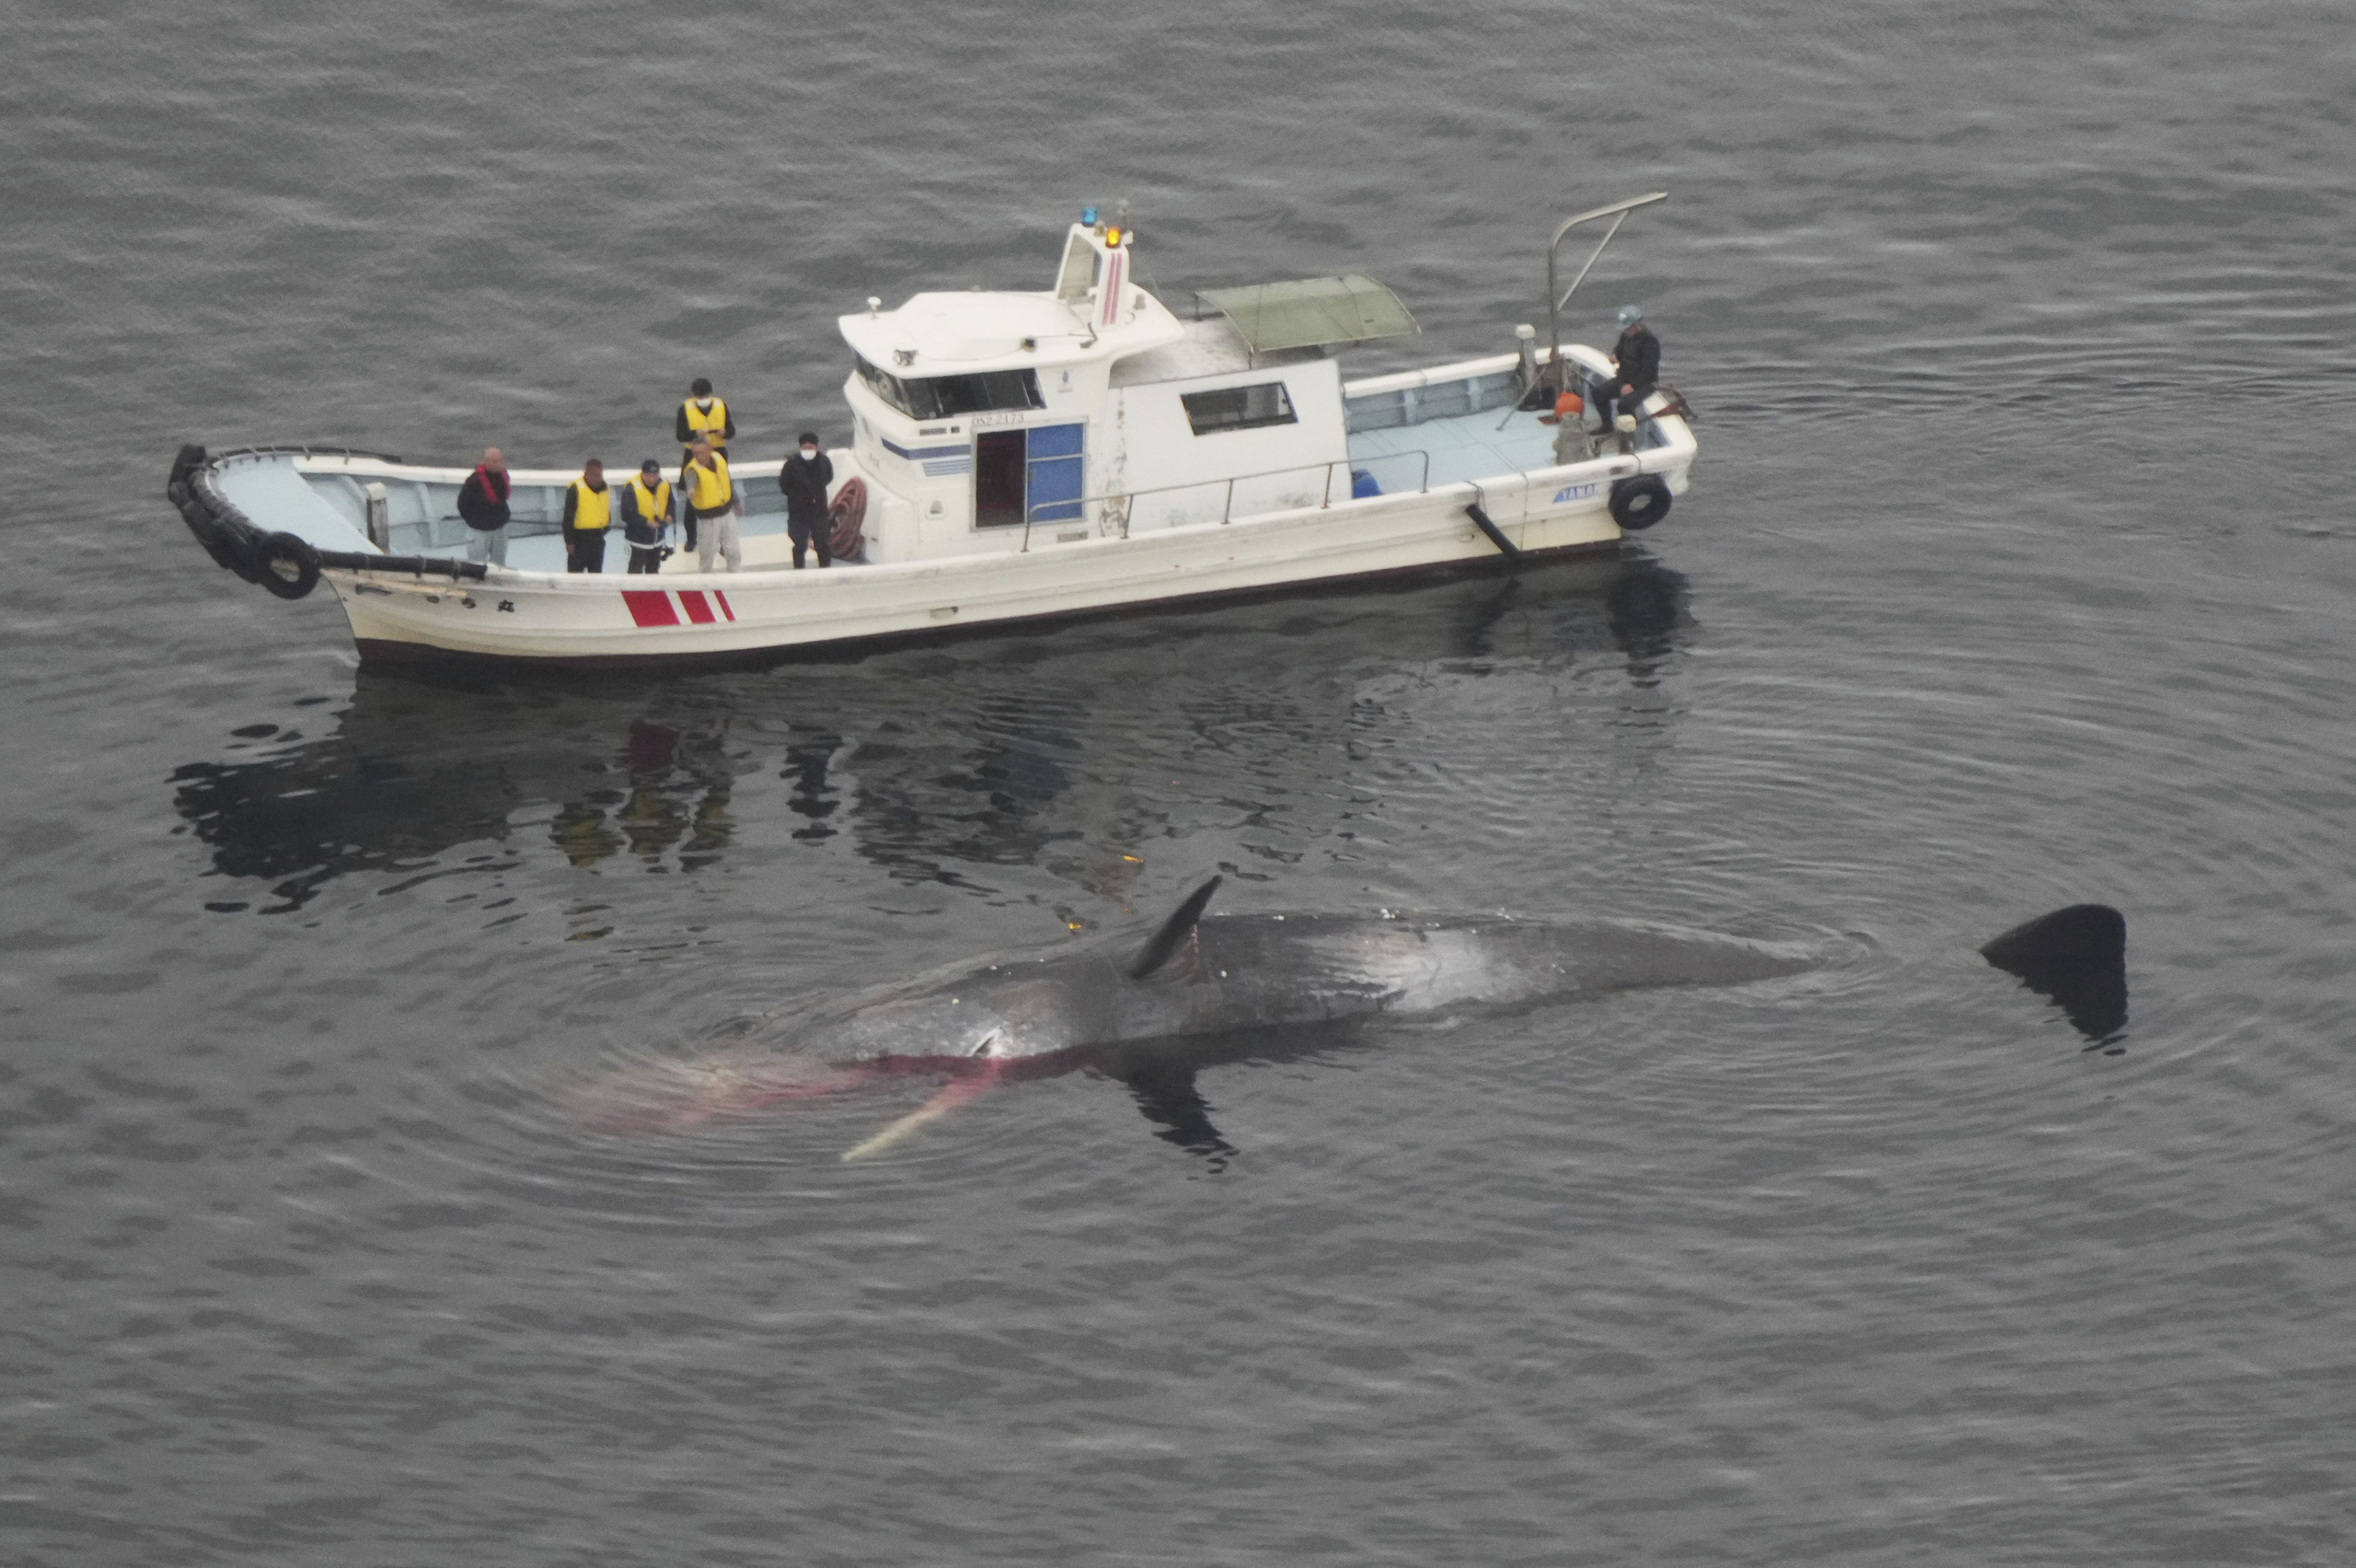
588,513
711,501
646,514
804,479
1636,367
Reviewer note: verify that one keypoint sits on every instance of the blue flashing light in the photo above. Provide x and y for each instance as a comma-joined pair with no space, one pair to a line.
1087,217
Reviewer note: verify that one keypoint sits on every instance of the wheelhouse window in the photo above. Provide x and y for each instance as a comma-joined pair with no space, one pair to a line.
944,396
1239,407
885,385
940,397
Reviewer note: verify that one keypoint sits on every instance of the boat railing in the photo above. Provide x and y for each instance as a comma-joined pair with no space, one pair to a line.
1617,212
302,449
1116,506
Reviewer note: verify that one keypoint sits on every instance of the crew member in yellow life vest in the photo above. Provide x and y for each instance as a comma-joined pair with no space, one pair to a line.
588,513
646,514
707,416
711,501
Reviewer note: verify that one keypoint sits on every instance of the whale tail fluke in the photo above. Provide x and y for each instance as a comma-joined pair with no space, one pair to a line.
2075,957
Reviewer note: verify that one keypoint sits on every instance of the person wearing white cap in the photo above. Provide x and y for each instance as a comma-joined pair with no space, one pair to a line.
1636,367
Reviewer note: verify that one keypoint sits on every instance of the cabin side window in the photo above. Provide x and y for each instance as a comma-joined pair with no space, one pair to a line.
1239,407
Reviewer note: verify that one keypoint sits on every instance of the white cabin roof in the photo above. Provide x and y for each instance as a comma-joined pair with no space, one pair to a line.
983,330
954,334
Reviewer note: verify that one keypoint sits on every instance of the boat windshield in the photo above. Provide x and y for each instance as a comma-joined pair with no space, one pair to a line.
941,397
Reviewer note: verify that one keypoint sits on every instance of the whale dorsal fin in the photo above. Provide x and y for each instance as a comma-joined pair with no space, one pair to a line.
2076,958
1174,930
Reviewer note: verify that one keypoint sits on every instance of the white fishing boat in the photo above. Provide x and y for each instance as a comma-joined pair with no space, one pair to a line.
1015,456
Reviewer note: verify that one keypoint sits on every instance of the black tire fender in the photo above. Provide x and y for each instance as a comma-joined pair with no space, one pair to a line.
1639,501
220,542
191,458
288,566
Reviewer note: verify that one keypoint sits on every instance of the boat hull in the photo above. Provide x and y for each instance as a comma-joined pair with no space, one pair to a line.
753,617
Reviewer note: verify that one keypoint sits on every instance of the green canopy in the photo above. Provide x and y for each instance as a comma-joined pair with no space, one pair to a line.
1312,312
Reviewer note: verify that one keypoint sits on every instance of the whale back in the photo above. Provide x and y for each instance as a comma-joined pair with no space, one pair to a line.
1233,973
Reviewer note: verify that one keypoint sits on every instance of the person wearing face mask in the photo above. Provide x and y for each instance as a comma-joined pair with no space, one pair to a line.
705,416
804,479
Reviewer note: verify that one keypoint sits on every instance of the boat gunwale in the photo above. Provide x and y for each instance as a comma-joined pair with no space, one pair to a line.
1614,466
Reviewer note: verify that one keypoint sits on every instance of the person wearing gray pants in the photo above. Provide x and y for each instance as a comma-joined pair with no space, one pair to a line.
483,504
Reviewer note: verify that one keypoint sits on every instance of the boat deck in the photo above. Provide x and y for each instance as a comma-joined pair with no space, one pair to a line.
328,508
766,547
1461,446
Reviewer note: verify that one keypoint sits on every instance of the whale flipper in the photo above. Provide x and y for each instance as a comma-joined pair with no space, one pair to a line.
1176,930
2075,957
949,1096
1166,1093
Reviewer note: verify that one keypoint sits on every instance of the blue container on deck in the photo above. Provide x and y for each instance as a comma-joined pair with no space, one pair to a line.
1362,484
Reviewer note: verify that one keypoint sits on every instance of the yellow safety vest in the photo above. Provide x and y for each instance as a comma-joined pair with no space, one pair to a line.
708,488
654,506
592,510
713,425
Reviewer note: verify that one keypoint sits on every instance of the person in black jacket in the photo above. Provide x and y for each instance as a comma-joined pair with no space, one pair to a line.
483,502
1637,360
645,515
588,513
804,479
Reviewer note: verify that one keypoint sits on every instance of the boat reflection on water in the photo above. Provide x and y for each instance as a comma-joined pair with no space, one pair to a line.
937,764
411,773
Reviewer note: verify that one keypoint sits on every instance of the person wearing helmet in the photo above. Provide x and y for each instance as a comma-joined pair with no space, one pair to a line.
1636,367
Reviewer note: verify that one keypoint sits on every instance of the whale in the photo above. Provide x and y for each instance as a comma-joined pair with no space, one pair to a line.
1204,989
2075,958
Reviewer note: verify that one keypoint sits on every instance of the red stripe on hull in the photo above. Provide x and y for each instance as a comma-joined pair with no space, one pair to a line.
691,600
650,608
723,603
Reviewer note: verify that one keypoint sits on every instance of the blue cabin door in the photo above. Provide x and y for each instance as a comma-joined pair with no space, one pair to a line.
1036,475
1057,477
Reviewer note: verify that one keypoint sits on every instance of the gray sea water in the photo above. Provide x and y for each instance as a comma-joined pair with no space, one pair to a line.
2017,572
